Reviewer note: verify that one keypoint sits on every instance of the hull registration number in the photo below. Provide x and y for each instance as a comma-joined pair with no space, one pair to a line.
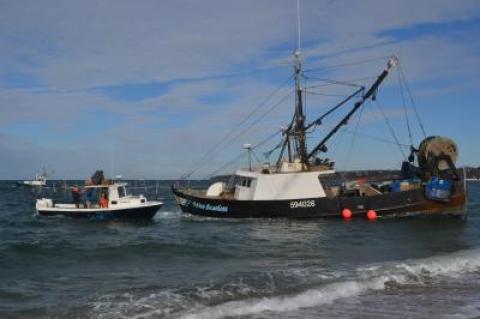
302,204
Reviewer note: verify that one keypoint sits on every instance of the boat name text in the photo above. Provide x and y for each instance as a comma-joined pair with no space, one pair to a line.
215,208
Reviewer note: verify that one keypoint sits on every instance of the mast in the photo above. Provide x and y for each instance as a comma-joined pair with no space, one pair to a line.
300,140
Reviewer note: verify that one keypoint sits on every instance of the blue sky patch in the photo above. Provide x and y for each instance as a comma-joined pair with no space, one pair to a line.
18,80
135,92
429,29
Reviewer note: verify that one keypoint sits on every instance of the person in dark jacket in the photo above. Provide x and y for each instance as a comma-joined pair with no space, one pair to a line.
76,196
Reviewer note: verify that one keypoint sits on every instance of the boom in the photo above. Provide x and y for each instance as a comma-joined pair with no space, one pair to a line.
321,146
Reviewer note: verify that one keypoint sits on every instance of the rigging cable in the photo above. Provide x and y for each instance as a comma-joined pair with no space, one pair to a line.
330,82
263,115
304,91
254,123
233,161
333,82
336,143
221,143
375,138
326,94
348,64
285,143
352,141
411,100
400,85
391,129
237,158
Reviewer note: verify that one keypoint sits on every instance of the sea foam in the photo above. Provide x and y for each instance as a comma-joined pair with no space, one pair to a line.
374,277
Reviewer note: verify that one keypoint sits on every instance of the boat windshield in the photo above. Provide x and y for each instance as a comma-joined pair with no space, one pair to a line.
121,192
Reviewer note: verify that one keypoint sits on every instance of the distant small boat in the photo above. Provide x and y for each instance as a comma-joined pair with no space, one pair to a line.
120,205
40,180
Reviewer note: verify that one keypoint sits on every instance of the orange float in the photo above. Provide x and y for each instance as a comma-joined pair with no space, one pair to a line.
346,213
371,215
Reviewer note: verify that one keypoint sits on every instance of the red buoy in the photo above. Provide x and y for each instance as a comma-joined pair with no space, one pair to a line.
346,213
371,215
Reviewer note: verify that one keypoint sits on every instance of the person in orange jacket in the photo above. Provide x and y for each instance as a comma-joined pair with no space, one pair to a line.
103,201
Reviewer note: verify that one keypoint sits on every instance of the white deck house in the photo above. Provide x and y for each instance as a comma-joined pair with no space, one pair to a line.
290,182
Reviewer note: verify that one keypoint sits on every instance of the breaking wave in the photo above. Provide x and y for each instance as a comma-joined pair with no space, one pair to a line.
377,277
242,299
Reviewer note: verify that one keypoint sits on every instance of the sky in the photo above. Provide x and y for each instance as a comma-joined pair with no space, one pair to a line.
156,89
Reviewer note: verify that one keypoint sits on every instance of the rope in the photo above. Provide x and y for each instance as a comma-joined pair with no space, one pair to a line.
347,161
411,100
405,108
336,143
269,153
378,139
262,116
243,132
368,136
212,151
256,157
215,172
237,158
326,94
390,128
347,64
337,82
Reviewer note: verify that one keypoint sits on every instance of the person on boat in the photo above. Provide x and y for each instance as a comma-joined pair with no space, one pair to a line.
76,196
88,196
103,201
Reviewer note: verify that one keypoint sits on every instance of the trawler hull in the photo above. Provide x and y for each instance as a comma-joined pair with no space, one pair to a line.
412,201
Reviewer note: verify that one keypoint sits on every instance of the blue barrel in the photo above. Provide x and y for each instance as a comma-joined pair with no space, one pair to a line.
439,189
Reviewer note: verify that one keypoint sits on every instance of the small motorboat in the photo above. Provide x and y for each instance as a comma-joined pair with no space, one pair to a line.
118,205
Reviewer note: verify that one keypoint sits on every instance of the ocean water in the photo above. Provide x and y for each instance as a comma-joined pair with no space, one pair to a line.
180,266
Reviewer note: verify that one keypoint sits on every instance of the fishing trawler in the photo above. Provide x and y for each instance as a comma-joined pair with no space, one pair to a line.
117,203
296,186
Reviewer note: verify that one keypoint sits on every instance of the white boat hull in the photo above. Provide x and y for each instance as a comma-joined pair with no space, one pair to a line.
33,183
143,211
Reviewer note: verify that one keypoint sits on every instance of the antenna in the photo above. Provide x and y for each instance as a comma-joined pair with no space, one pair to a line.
112,160
299,27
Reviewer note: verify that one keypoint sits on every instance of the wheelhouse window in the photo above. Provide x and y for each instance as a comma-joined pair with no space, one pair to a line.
121,192
244,181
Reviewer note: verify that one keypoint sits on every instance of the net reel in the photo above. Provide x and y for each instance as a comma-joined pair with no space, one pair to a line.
436,156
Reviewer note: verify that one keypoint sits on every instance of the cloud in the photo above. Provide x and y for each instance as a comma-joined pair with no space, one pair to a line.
161,82
88,44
